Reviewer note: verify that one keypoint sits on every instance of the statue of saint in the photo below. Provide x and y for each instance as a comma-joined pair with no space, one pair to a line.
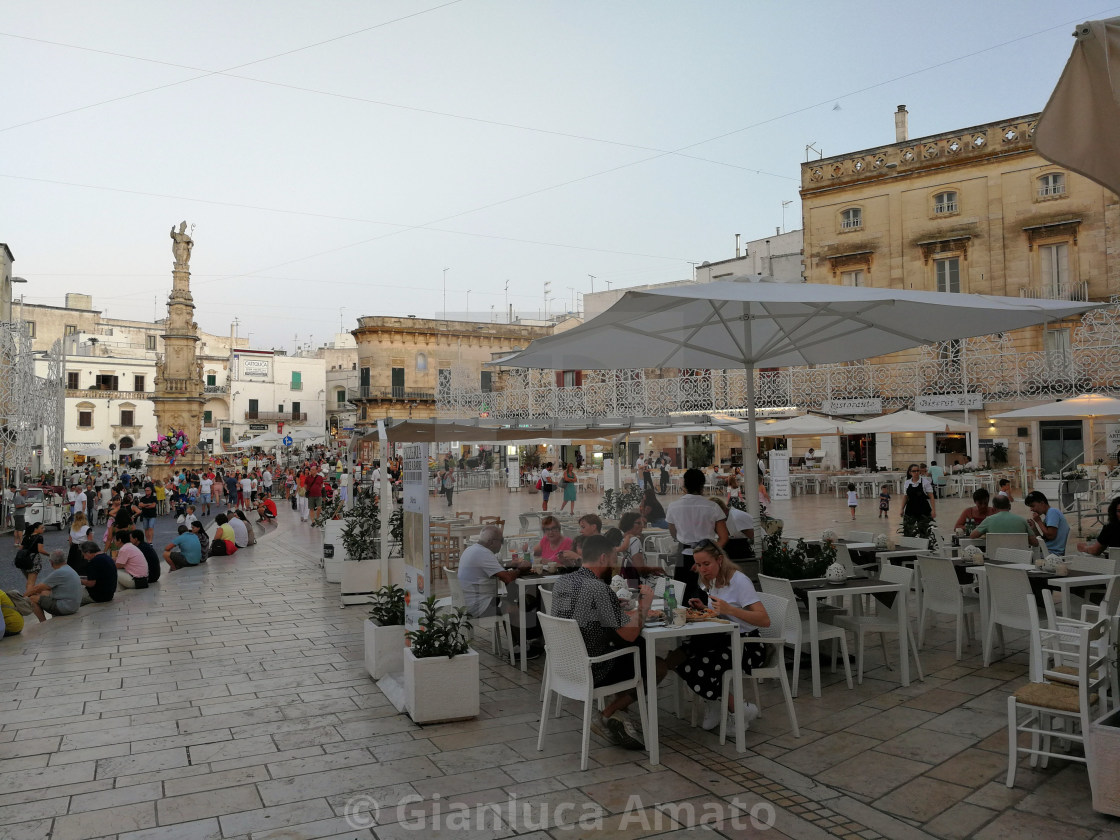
181,244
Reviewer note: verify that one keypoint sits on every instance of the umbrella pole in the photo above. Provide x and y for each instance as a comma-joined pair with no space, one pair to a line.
750,457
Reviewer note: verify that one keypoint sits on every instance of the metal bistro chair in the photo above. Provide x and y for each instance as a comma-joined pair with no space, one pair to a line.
568,674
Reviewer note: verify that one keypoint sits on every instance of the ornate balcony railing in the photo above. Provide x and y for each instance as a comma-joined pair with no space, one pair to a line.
98,394
1064,291
989,366
274,416
216,389
388,392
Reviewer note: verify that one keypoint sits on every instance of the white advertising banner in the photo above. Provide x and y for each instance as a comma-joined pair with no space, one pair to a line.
866,405
949,402
1112,431
417,557
513,468
779,474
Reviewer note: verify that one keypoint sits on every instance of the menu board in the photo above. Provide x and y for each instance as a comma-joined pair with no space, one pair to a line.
779,474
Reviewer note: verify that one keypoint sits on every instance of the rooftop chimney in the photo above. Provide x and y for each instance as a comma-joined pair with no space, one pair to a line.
901,126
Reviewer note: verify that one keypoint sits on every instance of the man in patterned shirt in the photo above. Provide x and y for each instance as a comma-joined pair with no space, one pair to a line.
583,596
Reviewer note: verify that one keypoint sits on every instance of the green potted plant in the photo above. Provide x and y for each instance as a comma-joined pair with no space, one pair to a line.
384,632
797,561
361,541
440,668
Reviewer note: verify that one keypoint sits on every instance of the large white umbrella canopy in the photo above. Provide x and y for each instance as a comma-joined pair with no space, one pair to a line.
748,323
807,425
905,421
92,452
1083,406
1079,125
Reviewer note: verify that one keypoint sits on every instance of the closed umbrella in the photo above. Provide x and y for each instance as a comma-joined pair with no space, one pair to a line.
1079,125
747,323
1084,406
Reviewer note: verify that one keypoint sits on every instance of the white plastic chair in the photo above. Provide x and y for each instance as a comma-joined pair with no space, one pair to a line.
546,598
796,629
1094,564
994,542
1011,555
568,674
884,621
941,593
1008,590
678,590
861,536
1071,699
499,625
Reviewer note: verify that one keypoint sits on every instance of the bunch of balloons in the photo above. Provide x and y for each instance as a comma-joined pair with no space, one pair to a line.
170,445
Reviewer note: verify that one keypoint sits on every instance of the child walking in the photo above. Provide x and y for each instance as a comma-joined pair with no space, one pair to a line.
884,501
853,500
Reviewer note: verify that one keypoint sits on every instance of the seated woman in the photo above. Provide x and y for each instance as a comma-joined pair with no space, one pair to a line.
634,565
731,594
652,510
976,514
553,543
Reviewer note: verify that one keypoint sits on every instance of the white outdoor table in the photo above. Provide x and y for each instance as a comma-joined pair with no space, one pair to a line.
699,628
816,591
1073,580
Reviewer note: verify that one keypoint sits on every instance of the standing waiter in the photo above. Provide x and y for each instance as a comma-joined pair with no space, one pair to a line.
694,517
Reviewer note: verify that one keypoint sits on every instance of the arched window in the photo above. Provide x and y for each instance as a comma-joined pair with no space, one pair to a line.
945,203
1052,184
126,442
421,361
851,218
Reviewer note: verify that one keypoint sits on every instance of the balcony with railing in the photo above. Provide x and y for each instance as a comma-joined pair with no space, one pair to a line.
215,390
992,367
99,394
1061,291
389,392
277,416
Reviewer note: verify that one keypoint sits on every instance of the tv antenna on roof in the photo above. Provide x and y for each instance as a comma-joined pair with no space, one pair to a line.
813,147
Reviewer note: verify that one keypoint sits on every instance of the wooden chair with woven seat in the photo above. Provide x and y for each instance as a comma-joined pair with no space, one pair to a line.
1072,696
464,514
492,520
439,546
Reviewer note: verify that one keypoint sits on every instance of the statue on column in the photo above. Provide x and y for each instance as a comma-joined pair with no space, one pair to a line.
181,245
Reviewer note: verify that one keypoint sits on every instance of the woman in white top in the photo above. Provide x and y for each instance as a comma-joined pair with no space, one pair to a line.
631,553
732,595
79,533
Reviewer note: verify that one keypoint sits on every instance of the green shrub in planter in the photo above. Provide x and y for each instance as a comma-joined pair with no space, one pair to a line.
444,633
387,606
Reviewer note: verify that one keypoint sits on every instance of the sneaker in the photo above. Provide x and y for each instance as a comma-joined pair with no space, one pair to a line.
631,737
750,712
603,728
713,714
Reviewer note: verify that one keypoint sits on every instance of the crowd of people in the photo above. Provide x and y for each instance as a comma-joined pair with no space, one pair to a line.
112,518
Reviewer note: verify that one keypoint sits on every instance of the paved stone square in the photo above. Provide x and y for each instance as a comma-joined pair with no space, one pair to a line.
231,701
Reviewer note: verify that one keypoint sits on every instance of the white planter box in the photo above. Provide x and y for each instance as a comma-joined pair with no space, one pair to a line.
1104,764
384,649
439,689
332,536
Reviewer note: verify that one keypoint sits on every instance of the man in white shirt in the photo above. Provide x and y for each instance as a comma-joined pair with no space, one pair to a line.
694,517
479,573
246,490
266,481
77,499
206,487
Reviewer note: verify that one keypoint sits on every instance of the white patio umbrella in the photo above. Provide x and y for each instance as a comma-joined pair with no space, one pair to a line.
93,452
749,323
1079,125
1084,406
905,421
807,425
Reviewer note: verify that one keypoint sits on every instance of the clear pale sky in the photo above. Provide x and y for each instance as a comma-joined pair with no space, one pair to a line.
343,154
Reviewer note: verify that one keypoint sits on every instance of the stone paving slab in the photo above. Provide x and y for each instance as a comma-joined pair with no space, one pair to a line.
230,701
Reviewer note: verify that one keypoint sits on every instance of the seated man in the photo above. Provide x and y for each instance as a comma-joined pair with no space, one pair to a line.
132,565
1003,521
1049,522
100,580
583,596
183,551
59,593
266,510
136,536
479,573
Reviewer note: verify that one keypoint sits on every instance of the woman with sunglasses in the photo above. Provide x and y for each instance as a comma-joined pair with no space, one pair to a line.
553,544
731,594
917,499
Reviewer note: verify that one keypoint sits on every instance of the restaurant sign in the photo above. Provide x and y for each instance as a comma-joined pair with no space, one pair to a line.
867,405
949,402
